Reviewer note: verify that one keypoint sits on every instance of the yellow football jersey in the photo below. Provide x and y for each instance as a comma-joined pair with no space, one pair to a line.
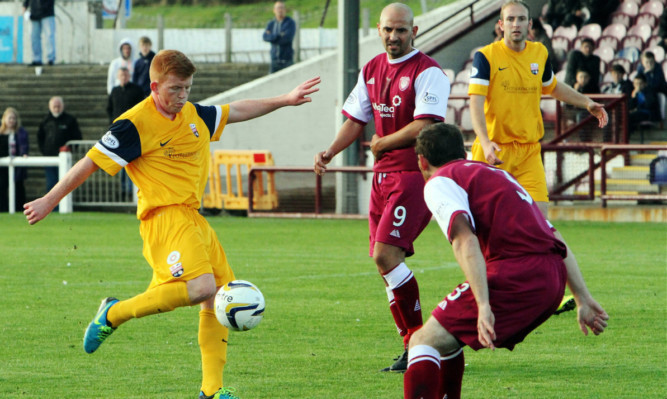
168,160
513,83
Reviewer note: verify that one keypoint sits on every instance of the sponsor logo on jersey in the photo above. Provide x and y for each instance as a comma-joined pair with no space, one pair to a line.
473,72
173,257
371,81
404,83
165,143
176,270
110,141
396,100
417,306
395,233
430,98
351,99
534,68
384,110
193,127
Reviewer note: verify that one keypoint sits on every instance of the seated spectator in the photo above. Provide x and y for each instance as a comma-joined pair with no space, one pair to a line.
600,11
619,84
644,104
565,13
584,59
655,77
497,32
538,34
582,81
662,30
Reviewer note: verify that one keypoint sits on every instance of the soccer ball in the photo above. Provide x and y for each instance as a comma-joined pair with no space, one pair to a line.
239,305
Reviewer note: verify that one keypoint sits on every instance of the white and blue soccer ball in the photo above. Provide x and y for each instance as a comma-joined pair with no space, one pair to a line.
239,305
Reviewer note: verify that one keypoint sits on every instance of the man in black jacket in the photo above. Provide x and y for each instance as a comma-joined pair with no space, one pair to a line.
42,16
54,132
124,96
142,65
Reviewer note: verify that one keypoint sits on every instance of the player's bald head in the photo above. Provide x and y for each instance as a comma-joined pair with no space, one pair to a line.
397,10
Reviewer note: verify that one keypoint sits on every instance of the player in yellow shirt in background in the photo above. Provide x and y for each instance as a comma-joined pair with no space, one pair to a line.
507,80
164,144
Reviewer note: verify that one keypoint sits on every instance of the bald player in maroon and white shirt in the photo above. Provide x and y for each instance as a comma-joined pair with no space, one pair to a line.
403,91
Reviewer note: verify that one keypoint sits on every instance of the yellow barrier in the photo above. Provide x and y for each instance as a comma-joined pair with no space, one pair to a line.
241,161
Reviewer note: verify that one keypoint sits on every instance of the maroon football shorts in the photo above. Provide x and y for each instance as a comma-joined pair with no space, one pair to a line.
524,292
397,212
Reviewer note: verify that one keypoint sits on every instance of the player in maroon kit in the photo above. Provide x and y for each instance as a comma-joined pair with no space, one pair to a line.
516,269
403,91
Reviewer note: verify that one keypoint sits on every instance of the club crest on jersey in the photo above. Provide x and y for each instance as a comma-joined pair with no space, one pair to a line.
404,83
534,68
396,101
173,257
193,127
110,141
176,270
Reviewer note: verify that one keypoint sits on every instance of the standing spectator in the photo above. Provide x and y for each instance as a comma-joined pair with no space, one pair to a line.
403,91
644,105
619,84
505,102
124,60
537,33
13,143
280,33
43,18
515,267
565,13
655,77
142,65
164,142
123,97
587,61
57,128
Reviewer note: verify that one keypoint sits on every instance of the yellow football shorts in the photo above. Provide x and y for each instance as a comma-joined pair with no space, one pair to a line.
180,245
524,162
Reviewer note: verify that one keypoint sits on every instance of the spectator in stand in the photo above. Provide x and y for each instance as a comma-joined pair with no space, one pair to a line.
280,33
662,30
124,60
600,11
42,16
537,33
565,13
13,143
643,103
57,128
142,65
655,77
619,84
123,97
497,32
581,81
584,59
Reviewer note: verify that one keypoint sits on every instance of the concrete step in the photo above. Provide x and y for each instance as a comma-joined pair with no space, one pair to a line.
630,172
640,185
642,159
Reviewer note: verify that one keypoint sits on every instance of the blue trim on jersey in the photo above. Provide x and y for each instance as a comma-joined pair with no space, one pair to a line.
209,115
129,142
481,67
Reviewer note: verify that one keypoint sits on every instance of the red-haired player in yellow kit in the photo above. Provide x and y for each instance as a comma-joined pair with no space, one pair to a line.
164,144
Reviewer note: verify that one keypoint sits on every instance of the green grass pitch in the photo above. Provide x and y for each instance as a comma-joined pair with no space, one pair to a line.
326,331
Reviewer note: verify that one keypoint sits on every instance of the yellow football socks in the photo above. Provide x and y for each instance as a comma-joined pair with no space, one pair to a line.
160,299
213,346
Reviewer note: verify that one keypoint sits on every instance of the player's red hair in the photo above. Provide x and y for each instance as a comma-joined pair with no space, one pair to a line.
172,62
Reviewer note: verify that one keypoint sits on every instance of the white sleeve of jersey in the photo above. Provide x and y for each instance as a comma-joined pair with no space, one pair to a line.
432,93
446,199
358,104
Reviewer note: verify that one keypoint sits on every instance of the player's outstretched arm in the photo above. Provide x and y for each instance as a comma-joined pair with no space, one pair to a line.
589,313
243,110
469,256
38,209
565,93
479,126
348,133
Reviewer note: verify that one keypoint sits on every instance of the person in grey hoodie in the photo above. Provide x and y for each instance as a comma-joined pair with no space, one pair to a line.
126,60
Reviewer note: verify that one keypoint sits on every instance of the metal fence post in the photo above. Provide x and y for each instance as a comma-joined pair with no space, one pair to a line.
228,38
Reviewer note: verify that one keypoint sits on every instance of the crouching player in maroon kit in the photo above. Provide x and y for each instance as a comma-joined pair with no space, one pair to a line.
403,90
516,268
